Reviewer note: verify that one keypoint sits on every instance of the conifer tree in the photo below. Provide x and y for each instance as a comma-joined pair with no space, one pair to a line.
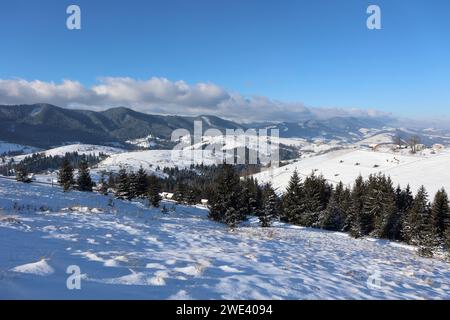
332,218
418,228
22,174
102,184
226,203
141,184
154,191
133,185
111,181
123,185
180,194
380,207
354,218
293,206
65,176
441,214
404,200
192,195
312,191
84,181
232,217
271,206
249,196
345,204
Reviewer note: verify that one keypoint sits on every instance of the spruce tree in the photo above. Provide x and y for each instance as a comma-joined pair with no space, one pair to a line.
293,206
154,190
191,197
345,204
380,208
354,218
332,217
65,175
441,214
313,188
133,185
111,181
22,174
232,217
418,228
226,203
84,181
103,185
404,200
271,206
123,185
249,196
141,184
180,195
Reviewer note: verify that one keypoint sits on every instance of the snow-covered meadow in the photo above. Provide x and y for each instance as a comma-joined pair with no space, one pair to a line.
430,170
129,251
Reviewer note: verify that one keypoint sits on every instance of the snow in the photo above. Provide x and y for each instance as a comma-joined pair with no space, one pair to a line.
88,149
151,159
346,165
145,143
381,138
131,251
40,268
207,120
6,147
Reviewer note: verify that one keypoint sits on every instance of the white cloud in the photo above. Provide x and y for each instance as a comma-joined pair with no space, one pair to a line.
160,95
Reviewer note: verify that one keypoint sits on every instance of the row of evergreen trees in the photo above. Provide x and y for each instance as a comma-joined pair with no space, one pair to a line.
66,178
131,185
40,162
125,185
372,207
234,199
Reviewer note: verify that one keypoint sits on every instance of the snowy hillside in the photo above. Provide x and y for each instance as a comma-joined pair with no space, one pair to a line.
88,149
345,165
151,159
129,251
6,147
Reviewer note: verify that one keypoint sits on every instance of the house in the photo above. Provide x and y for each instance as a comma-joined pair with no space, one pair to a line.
167,195
438,147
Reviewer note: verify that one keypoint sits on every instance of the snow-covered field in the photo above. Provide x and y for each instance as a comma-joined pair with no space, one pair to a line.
88,149
151,159
346,165
130,251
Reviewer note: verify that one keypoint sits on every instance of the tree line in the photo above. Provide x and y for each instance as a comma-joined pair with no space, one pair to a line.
371,207
40,162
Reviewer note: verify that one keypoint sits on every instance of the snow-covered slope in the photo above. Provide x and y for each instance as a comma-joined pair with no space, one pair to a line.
151,159
80,148
346,165
6,147
131,252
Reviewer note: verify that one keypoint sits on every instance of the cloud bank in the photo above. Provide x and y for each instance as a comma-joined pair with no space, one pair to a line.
162,96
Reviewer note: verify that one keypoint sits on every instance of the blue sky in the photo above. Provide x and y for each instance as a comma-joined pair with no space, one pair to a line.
303,53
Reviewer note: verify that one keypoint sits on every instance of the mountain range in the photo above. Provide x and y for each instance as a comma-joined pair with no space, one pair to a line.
45,125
